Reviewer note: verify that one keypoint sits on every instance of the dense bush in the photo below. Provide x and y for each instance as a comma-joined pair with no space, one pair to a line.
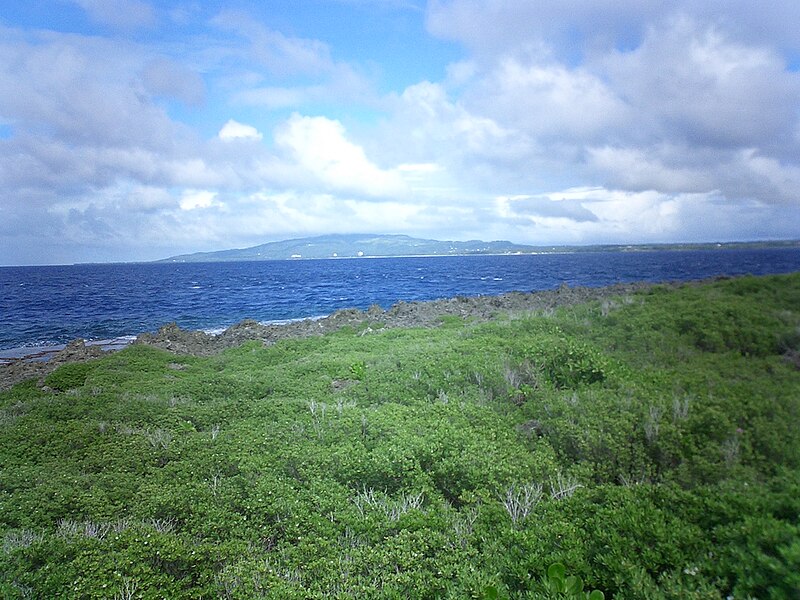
646,446
69,376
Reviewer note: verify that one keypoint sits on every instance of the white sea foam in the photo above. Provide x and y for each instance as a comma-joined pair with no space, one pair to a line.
214,330
220,330
113,343
294,320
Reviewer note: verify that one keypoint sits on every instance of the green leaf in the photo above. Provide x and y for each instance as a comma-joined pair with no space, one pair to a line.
574,585
556,572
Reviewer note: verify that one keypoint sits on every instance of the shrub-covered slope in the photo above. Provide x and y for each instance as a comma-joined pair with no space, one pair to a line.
647,442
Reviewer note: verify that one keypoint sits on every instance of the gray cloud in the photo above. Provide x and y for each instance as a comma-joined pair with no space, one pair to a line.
164,77
685,98
575,29
79,90
698,85
550,208
561,122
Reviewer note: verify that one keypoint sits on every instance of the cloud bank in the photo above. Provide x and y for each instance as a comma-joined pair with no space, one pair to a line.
140,130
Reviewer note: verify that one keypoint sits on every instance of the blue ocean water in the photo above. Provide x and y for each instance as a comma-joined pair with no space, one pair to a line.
42,306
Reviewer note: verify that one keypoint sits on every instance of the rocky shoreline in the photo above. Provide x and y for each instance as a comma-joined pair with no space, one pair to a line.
403,314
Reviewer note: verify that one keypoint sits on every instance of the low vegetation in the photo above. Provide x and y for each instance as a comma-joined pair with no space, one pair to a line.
642,446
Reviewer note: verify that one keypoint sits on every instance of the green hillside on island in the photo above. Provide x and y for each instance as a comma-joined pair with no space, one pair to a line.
353,246
642,445
382,246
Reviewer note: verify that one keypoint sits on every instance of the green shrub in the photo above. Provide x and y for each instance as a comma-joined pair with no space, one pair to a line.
69,376
649,446
568,362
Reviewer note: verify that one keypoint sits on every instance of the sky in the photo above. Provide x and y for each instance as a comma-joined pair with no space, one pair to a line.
133,130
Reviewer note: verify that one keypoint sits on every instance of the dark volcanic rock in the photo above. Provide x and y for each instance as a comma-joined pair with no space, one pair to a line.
402,314
76,350
22,369
180,341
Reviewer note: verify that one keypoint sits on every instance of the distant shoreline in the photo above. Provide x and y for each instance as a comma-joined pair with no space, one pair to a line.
365,257
535,251
557,251
398,246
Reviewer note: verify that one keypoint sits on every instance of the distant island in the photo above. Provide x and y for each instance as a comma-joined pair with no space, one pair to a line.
385,246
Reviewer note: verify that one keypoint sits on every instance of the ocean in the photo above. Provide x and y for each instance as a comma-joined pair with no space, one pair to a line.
50,305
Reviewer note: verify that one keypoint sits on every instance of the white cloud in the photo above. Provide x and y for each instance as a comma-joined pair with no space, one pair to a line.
124,14
652,120
144,199
268,214
571,28
488,27
320,146
419,168
429,127
693,83
81,90
279,53
771,175
547,99
233,130
194,199
599,215
636,96
662,168
275,71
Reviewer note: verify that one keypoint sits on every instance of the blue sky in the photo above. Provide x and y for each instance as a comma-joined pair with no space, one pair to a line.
136,129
